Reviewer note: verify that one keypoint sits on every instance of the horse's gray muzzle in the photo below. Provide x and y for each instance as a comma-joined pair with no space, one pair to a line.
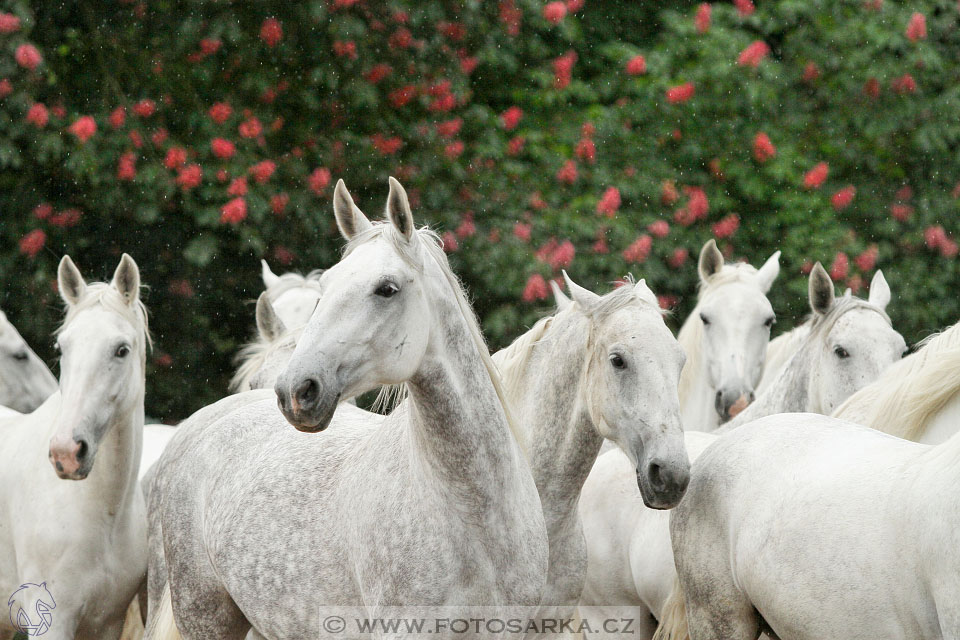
662,484
307,407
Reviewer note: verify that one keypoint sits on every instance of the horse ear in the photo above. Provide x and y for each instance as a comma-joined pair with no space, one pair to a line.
583,297
269,277
69,281
645,292
398,209
879,291
126,279
711,260
769,271
821,290
350,219
559,296
269,325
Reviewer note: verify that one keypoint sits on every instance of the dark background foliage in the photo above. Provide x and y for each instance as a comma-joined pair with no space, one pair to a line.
853,84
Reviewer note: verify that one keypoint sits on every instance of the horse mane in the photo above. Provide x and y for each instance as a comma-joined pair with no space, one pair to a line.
426,243
106,296
910,392
690,335
253,355
822,325
293,280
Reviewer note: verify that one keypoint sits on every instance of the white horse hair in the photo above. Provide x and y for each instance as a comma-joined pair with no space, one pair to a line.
84,535
25,381
630,558
725,338
440,483
262,361
293,296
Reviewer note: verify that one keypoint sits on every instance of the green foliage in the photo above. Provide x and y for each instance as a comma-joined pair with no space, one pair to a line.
832,89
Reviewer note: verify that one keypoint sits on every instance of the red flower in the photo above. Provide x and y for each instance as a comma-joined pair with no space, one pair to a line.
637,66
842,198
403,95
600,246
453,30
220,112
145,108
386,146
127,166
454,149
38,115
587,129
904,193
250,128
176,157
159,136
263,170
609,204
678,258
744,7
271,32
872,88
702,18
189,176
181,288
727,226
697,205
948,248
901,212
555,12
568,172
450,243
222,148
32,243
43,210
867,260
763,148
210,46
638,251
934,236
515,146
562,256
136,138
466,227
668,193
680,93
811,72
234,212
563,69
537,201
66,218
468,64
574,5
814,178
917,27
904,84
659,228
535,289
840,267
445,102
400,39
28,56
278,203
511,118
522,231
378,72
586,150
118,117
238,187
345,49
755,52
667,302
319,179
83,128
9,23
6,88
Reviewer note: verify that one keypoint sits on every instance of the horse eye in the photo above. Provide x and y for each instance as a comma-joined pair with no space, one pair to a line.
769,322
704,320
20,355
841,353
387,290
617,361
122,351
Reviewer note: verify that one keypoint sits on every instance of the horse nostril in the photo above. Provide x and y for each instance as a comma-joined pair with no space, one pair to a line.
81,450
308,392
752,396
656,476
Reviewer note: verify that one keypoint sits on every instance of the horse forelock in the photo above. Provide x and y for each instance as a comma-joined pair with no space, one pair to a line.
101,294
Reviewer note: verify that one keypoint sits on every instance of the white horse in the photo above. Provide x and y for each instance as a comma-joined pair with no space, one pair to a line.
602,367
293,296
84,533
848,343
262,361
25,381
725,338
814,528
432,505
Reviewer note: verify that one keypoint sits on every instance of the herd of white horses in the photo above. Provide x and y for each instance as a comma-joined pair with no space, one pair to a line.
717,484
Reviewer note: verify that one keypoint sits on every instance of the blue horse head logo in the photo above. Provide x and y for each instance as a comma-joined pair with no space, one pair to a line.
32,620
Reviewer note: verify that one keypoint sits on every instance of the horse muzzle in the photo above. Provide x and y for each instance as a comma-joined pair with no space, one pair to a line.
70,457
306,404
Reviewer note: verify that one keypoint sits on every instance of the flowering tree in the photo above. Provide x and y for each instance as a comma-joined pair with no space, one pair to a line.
600,138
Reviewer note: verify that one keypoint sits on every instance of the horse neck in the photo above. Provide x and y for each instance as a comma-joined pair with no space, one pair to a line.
694,392
563,442
789,393
459,425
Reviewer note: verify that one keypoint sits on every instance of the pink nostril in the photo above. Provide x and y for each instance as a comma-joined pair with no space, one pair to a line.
66,454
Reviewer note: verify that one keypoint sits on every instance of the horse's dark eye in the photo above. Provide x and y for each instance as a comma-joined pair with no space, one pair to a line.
769,321
704,320
841,353
387,290
20,355
122,351
617,361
